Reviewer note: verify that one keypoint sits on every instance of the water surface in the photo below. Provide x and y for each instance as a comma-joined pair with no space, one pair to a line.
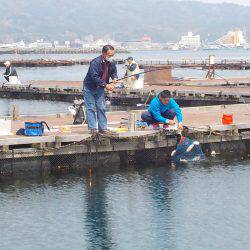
202,206
78,72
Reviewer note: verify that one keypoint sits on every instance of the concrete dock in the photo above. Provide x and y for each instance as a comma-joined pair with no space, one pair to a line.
72,147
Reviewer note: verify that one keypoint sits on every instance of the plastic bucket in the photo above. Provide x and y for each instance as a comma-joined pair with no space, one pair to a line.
227,119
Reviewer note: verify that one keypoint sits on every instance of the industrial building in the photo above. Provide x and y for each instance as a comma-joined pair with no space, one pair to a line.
190,41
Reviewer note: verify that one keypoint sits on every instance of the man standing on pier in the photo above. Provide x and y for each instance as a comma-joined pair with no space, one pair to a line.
100,71
163,109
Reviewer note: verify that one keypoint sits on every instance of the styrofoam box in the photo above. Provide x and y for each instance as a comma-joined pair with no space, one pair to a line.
5,127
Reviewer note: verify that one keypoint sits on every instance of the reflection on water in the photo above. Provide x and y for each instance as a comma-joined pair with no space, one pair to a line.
202,206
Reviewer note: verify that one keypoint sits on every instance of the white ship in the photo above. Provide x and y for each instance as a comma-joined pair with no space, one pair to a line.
211,47
246,46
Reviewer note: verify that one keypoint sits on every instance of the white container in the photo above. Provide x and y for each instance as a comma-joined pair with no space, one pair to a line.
5,127
13,80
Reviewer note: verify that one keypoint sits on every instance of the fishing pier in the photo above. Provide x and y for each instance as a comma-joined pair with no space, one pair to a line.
188,93
66,147
70,147
222,64
62,50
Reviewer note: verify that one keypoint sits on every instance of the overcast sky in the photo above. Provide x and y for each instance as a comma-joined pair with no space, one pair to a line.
245,2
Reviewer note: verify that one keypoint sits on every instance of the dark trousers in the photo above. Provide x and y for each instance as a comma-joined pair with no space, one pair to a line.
148,117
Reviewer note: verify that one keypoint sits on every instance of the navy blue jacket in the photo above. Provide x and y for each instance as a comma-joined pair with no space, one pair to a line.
93,79
10,71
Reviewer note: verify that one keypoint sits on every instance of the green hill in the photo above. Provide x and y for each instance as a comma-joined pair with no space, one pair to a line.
125,20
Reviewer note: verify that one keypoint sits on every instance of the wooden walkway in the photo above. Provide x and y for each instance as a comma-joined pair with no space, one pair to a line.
199,91
198,119
76,149
220,63
227,64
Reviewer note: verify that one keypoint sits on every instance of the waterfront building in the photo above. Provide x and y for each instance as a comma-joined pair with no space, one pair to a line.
40,44
234,38
247,46
20,44
145,43
99,43
190,41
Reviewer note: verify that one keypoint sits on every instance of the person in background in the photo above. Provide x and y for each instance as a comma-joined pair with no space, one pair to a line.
100,71
10,73
133,82
163,109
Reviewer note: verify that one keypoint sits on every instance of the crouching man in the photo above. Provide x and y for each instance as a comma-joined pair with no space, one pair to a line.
163,109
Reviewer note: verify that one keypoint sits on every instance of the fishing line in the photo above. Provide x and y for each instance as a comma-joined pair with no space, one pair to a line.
144,72
155,70
215,75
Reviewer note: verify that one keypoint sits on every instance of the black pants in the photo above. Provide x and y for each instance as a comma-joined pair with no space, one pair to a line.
148,117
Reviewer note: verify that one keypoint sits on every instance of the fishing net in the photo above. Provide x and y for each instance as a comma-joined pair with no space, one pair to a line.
187,150
94,151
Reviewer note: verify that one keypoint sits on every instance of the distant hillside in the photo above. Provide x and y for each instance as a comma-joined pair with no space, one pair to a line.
125,20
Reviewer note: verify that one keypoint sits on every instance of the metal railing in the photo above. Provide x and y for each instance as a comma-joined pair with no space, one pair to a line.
191,61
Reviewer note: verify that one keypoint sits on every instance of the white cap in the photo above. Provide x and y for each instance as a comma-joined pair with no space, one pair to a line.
7,63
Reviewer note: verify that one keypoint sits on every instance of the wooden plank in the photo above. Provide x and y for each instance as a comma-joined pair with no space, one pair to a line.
19,140
137,133
81,125
72,137
221,127
119,146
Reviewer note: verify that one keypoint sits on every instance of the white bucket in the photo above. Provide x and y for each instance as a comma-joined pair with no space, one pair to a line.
5,127
13,80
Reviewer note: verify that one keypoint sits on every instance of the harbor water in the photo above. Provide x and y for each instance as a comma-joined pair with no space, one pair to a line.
39,108
201,206
78,72
196,206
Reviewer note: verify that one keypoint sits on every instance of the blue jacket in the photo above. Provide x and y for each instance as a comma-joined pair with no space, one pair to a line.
10,71
157,108
93,79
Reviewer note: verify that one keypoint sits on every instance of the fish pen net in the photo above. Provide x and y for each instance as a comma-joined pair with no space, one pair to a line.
92,152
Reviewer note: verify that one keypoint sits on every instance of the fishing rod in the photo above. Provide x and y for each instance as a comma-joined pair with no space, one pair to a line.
144,72
154,70
150,93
